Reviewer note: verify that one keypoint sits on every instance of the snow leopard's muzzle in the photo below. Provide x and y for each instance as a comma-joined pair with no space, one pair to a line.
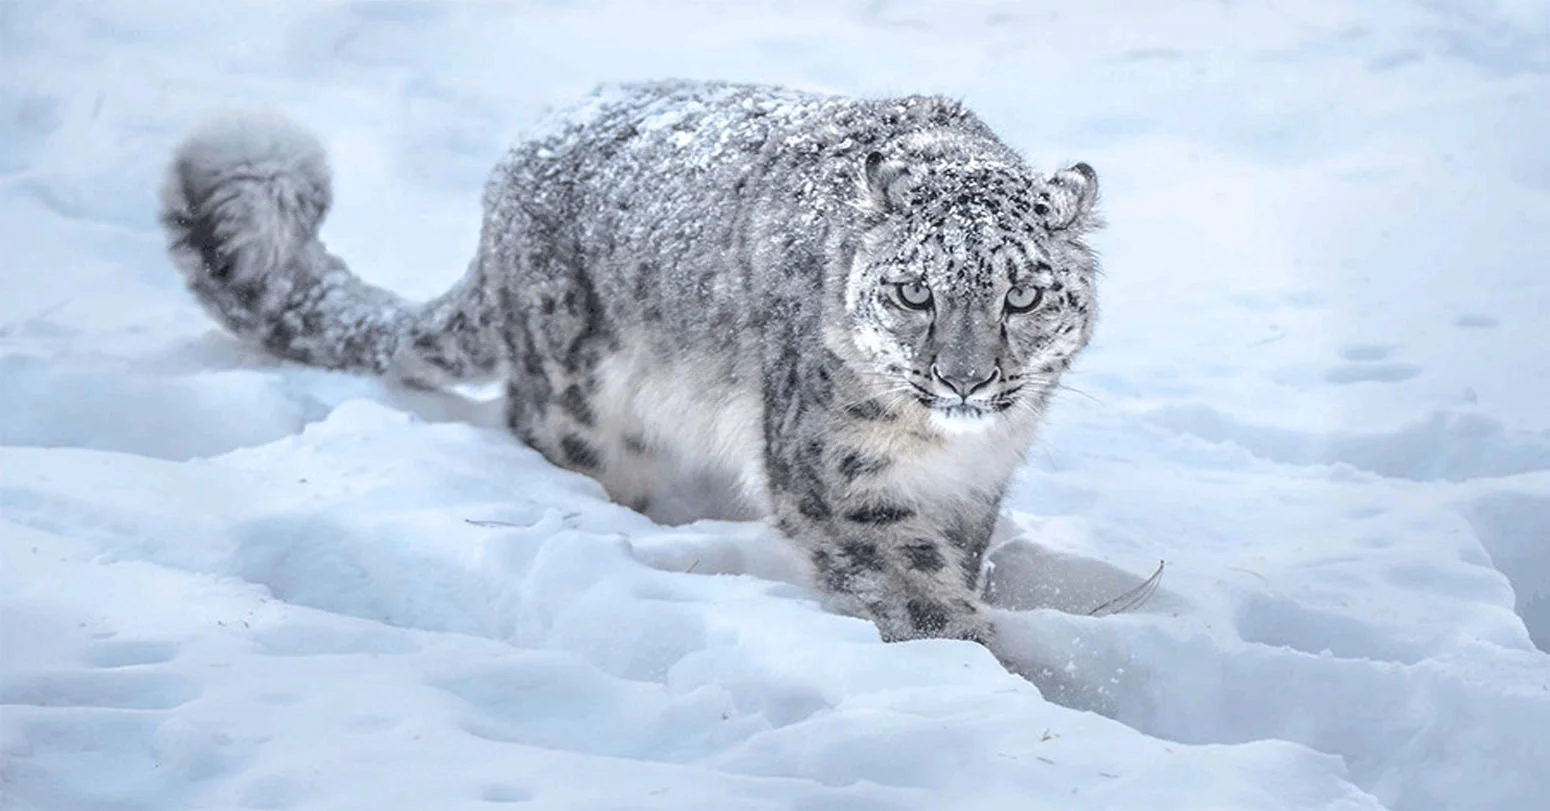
959,368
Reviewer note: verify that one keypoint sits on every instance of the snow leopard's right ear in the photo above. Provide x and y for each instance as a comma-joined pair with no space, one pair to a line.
886,181
1068,199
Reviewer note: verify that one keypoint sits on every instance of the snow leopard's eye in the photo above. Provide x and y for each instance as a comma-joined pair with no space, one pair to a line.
1023,299
914,295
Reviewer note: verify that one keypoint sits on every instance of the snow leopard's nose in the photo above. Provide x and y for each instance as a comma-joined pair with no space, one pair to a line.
964,381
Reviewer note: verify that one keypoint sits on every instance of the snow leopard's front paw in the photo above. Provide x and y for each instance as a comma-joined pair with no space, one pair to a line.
925,618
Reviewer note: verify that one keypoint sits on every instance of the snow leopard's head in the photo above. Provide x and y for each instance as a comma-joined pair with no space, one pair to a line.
973,288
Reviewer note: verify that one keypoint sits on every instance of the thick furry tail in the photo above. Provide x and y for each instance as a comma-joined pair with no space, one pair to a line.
242,204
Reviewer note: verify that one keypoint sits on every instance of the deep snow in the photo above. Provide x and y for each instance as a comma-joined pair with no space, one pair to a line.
1317,392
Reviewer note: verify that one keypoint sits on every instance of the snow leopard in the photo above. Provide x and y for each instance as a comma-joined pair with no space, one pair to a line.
854,311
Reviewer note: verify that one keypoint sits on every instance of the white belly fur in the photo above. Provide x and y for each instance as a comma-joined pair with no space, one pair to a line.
706,442
699,430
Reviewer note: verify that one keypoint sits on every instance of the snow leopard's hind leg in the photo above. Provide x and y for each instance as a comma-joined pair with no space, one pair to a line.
557,337
242,204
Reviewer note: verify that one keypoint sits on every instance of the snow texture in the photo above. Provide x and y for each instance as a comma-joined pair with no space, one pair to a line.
1317,392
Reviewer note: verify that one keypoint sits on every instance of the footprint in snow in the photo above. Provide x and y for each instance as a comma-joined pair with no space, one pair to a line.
1368,363
502,793
122,690
131,653
1476,321
1371,373
1358,353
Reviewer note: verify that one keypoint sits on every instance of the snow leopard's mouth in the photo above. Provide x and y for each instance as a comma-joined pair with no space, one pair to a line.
959,408
963,411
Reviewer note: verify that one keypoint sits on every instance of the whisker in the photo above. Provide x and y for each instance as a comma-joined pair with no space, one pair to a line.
1075,390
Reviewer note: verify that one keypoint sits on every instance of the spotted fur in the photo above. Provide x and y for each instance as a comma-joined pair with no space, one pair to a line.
854,311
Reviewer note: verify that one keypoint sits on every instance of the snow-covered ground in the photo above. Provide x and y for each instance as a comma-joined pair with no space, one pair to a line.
1319,393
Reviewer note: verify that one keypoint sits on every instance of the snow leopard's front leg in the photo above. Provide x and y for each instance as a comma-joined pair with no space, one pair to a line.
909,562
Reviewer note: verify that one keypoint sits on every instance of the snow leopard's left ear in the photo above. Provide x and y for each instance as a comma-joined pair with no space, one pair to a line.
887,183
1069,198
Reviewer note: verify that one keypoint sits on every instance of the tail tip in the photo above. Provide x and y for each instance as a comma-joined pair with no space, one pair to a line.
250,171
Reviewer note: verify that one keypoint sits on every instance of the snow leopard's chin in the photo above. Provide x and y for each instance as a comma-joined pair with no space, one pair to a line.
962,420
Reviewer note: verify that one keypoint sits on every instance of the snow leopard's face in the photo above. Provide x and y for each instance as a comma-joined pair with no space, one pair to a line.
973,291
